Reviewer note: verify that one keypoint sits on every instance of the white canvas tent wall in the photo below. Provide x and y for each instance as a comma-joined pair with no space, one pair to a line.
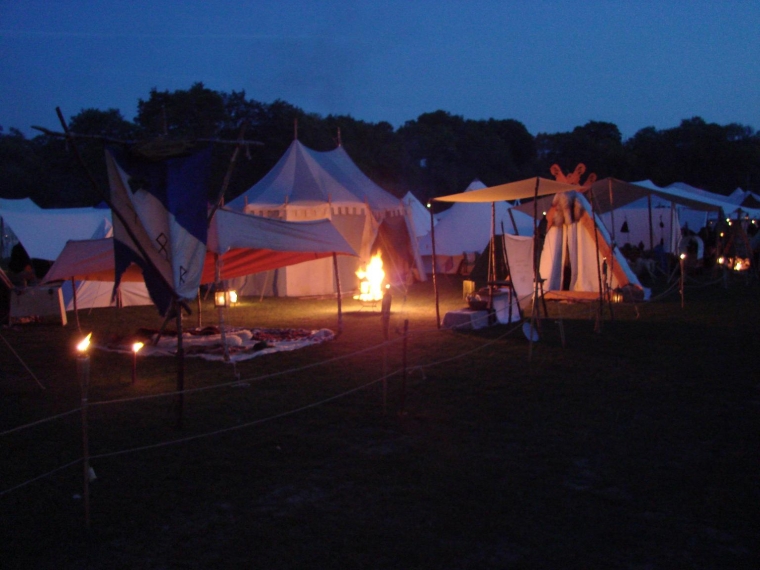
419,214
44,233
665,228
310,185
466,230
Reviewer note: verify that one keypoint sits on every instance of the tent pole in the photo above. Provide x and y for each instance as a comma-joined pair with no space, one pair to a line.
514,224
200,320
535,271
598,327
337,285
226,182
612,250
492,258
74,298
435,280
218,280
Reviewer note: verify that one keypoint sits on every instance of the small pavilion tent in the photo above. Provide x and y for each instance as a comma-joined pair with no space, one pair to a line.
243,243
310,185
465,231
568,245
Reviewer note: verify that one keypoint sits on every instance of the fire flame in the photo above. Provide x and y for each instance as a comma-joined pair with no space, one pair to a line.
82,346
371,285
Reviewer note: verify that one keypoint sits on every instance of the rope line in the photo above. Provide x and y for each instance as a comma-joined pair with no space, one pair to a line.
260,420
42,421
48,474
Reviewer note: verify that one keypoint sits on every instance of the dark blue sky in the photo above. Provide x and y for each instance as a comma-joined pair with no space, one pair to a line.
551,65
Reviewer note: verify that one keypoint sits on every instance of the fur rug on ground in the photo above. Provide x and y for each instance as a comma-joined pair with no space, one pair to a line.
242,343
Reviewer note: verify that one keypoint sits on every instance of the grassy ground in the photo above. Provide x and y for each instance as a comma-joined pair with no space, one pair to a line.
633,448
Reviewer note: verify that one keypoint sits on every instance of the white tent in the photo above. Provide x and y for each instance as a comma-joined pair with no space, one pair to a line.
44,233
310,185
419,214
466,231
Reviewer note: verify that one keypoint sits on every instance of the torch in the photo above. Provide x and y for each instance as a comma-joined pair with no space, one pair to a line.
135,349
83,371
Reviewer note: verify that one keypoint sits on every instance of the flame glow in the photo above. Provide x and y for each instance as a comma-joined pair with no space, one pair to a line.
371,285
82,346
136,347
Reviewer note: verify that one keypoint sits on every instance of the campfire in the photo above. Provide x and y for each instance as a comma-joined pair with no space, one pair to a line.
371,285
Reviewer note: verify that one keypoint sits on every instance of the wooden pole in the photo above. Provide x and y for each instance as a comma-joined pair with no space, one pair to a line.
339,294
386,313
435,281
218,281
598,326
226,182
492,260
403,367
74,298
533,315
200,320
514,224
180,368
83,371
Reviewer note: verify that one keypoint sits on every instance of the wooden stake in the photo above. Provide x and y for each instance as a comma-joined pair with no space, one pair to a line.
83,371
337,286
403,368
180,368
74,298
435,281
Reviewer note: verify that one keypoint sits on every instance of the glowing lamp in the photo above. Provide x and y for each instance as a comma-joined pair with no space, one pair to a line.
683,256
721,260
137,346
617,296
224,298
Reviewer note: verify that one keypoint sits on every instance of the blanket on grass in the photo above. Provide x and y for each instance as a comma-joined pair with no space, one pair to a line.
242,343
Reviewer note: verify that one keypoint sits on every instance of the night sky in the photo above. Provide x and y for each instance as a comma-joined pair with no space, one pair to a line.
550,65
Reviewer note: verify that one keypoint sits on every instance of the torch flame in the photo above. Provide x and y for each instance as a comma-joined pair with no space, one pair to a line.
136,347
371,286
82,346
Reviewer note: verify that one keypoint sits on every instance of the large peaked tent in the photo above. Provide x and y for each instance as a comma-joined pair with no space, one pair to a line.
309,185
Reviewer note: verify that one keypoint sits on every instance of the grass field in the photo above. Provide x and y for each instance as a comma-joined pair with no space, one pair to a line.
637,447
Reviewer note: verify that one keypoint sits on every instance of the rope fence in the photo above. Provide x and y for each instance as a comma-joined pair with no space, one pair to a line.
292,371
259,421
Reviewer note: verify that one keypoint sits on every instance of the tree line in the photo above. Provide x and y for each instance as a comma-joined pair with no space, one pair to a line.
436,154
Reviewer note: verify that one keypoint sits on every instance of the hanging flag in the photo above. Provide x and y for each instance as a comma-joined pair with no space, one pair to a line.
159,220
